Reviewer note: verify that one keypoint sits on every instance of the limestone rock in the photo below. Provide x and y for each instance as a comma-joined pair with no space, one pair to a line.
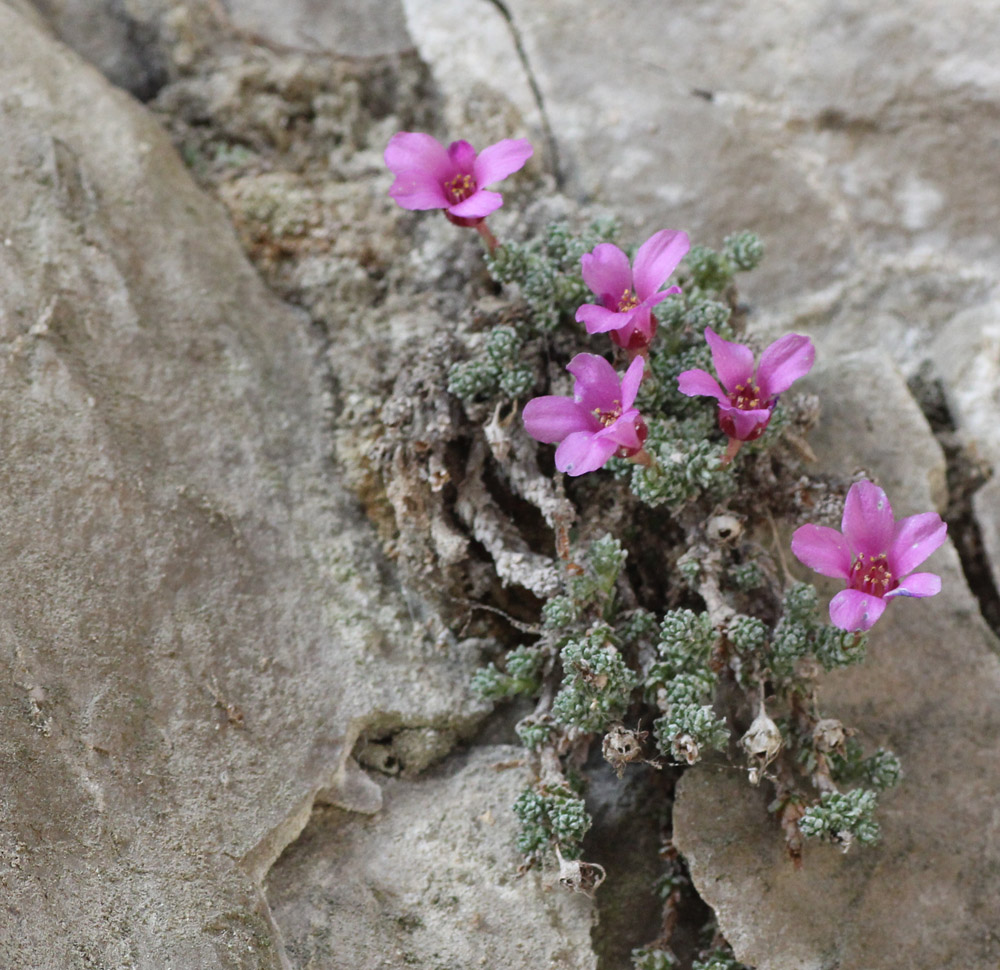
927,691
429,881
198,624
359,29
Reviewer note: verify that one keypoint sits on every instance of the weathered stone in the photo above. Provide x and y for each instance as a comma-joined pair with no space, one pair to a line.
365,29
198,624
430,881
122,39
927,691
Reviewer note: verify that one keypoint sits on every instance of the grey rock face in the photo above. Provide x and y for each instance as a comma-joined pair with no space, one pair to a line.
197,622
927,690
429,881
122,39
197,627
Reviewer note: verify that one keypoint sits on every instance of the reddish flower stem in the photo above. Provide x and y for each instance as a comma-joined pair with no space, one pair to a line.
642,457
488,237
731,451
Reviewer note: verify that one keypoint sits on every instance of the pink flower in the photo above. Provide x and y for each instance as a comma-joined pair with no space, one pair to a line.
430,176
875,554
749,398
597,422
627,293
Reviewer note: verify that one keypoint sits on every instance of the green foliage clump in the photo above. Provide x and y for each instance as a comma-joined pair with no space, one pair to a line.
596,683
798,633
547,271
883,770
522,675
708,271
747,576
709,313
686,731
497,374
834,647
879,771
712,272
685,463
744,250
747,633
559,612
551,818
721,958
533,733
595,586
653,958
843,817
686,641
682,683
637,625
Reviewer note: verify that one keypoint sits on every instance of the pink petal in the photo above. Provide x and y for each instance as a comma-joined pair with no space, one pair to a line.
607,272
745,423
699,383
657,258
583,452
552,418
733,362
410,151
623,431
500,160
631,381
851,609
917,584
462,157
823,549
660,296
597,386
418,190
783,363
868,522
598,319
477,205
916,537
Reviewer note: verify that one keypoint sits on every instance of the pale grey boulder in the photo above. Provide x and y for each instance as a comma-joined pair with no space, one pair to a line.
198,623
430,881
928,691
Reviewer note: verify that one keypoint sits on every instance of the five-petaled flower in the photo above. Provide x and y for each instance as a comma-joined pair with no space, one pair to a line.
874,553
430,176
628,293
597,422
747,398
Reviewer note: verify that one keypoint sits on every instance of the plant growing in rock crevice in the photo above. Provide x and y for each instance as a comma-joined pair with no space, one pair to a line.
702,639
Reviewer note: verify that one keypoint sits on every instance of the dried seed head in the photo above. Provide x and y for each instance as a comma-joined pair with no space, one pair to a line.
580,877
723,528
829,734
686,746
622,746
762,742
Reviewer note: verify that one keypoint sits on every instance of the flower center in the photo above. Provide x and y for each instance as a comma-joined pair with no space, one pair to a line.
870,574
460,188
746,397
628,301
609,417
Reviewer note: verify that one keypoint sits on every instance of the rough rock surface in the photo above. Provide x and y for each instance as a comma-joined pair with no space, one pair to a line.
428,881
197,622
859,143
927,691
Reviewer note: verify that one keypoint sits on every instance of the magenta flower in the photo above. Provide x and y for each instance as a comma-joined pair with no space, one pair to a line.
628,293
749,398
597,422
874,553
430,176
